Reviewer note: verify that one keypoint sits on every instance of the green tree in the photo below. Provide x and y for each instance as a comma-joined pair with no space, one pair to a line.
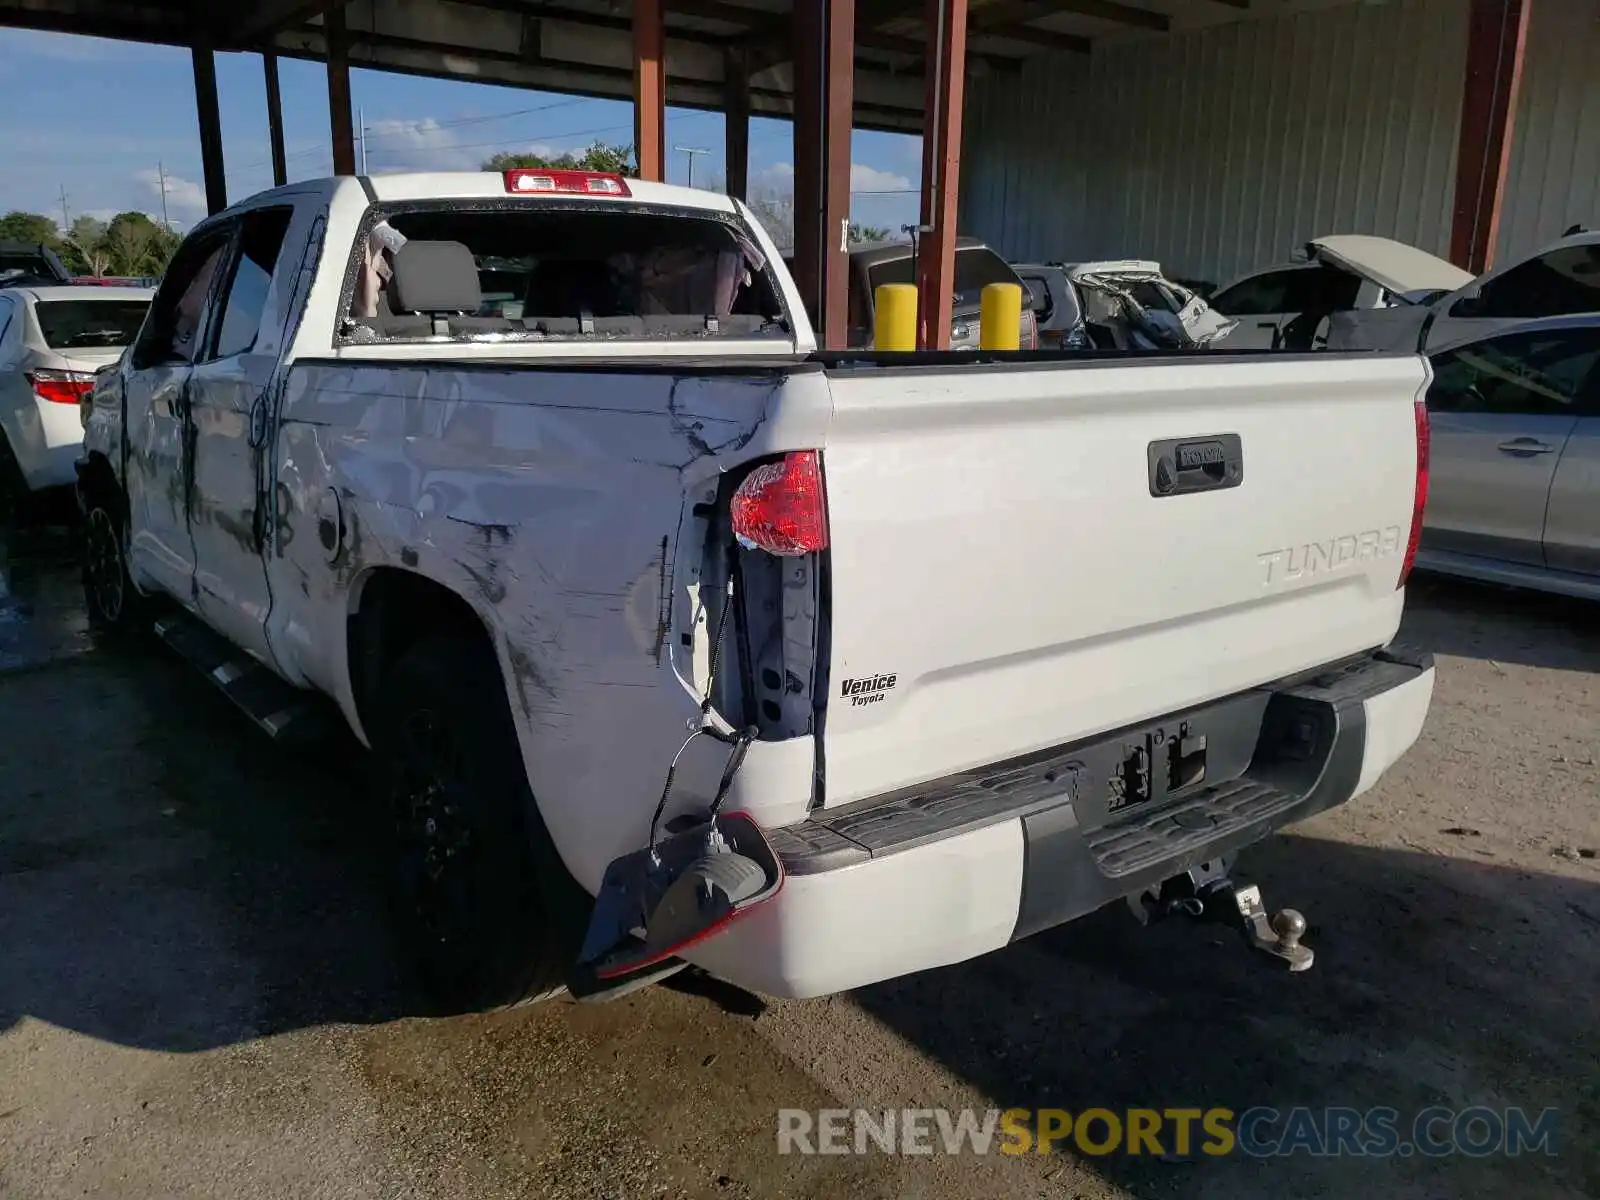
601,156
136,245
31,228
84,248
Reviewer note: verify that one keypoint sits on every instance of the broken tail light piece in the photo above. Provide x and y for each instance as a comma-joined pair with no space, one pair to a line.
663,899
675,893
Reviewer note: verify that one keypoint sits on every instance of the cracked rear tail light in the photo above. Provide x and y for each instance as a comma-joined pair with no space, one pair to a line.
781,506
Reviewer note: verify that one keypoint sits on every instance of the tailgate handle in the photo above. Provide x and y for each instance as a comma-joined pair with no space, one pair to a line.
1205,463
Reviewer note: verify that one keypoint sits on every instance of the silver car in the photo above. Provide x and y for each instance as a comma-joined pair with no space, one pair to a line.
1514,489
52,341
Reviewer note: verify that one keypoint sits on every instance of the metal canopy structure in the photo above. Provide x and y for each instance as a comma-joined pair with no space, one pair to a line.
830,65
584,47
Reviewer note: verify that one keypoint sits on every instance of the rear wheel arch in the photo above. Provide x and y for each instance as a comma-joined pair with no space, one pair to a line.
391,610
412,639
97,479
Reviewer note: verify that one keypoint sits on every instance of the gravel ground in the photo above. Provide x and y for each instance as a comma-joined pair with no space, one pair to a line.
196,997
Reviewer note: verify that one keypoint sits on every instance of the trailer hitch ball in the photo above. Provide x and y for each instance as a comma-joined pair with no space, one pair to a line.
1205,894
1289,925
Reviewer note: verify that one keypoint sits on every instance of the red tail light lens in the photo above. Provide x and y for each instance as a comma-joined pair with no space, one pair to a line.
781,507
60,387
1420,501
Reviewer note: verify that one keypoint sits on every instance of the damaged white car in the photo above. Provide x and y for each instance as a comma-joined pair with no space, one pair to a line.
1117,305
1561,280
678,641
1289,307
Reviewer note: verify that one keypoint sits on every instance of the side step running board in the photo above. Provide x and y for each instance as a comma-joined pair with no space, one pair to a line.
286,713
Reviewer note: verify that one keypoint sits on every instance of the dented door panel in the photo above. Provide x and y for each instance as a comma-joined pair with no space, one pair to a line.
231,589
159,460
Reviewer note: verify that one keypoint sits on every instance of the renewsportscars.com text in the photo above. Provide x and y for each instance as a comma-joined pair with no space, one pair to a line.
1260,1132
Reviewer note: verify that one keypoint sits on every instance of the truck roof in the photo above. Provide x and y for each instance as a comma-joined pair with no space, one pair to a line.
489,185
477,185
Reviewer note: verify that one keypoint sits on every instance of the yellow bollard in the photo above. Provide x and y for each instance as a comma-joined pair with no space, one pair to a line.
895,317
1000,317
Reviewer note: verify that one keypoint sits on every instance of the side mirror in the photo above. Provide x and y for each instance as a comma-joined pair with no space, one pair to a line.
1468,306
1036,295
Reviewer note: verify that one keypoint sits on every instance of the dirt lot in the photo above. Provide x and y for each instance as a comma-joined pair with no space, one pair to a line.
196,997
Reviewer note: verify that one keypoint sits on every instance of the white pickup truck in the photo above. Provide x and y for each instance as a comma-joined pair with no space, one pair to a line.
541,480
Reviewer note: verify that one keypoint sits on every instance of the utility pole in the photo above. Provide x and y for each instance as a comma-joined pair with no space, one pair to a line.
66,221
690,152
161,174
361,120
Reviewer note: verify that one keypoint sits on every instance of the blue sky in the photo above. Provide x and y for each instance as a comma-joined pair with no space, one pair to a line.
103,119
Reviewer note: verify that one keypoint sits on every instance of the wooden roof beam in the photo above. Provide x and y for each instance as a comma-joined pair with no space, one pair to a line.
1006,15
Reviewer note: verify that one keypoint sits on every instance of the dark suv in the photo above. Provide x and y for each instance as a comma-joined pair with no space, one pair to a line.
31,264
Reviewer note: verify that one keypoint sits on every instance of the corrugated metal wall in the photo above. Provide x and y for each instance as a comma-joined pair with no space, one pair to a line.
1554,179
1222,149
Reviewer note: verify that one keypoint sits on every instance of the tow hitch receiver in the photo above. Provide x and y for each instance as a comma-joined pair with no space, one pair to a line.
1206,894
658,901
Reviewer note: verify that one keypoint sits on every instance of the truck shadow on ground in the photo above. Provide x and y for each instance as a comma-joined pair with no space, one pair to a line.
1438,981
1504,625
169,879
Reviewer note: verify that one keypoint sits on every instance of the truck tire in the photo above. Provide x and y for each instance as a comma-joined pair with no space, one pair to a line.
114,604
484,905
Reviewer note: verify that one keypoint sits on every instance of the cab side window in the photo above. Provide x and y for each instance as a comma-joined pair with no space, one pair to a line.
173,331
261,238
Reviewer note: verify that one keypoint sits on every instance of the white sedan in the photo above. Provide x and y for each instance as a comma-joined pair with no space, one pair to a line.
52,341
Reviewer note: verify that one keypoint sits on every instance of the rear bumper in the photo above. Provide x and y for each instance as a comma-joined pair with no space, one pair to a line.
47,441
965,865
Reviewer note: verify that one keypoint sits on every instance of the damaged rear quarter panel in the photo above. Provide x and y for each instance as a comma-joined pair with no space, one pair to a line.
553,502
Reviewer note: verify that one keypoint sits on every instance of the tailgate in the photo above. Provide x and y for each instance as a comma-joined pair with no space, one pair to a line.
1003,578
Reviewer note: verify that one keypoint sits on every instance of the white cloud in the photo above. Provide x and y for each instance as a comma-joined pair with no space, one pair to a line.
186,200
869,179
425,145
863,178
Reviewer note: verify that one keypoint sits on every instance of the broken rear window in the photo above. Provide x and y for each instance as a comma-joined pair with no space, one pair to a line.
572,273
67,324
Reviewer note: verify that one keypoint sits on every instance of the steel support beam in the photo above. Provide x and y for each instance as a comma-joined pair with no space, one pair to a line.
824,79
650,89
340,121
265,17
1006,16
941,171
736,124
280,162
1497,33
205,102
